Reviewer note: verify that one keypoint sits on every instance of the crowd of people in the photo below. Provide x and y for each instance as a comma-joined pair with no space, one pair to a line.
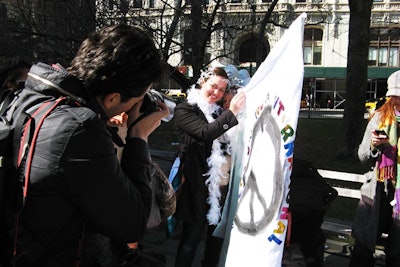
89,203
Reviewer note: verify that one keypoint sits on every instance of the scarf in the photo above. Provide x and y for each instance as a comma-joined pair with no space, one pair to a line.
215,160
389,163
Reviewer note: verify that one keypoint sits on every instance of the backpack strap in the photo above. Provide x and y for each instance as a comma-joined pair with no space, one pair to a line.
29,136
40,114
6,98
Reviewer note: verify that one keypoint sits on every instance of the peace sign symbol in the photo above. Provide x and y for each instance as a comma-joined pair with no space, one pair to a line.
265,127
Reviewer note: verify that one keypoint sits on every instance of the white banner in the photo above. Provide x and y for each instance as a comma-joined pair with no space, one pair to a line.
262,157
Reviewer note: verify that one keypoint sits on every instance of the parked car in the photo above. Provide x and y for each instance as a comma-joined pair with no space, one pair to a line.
176,94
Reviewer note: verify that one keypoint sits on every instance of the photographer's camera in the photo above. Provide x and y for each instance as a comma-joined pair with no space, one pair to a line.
150,104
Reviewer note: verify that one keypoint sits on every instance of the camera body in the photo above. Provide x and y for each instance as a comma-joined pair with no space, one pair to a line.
150,104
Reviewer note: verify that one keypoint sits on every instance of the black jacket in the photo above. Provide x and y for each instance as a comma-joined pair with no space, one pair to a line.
76,178
197,134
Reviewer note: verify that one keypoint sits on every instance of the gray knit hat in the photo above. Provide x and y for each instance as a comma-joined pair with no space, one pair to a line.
393,83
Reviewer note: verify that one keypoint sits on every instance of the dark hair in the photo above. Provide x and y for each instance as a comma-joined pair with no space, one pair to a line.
118,58
216,71
11,69
219,71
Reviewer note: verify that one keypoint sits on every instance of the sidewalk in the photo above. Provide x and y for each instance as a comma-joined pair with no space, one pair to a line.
157,241
337,254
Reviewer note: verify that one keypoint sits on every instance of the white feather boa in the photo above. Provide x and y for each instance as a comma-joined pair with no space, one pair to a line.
215,160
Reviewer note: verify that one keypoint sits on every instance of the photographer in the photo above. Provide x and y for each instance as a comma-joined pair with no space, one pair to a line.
76,180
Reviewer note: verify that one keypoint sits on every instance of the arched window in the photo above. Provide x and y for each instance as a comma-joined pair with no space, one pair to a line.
312,46
384,47
188,46
137,4
248,50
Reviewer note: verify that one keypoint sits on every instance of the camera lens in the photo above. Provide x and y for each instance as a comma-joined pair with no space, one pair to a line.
150,103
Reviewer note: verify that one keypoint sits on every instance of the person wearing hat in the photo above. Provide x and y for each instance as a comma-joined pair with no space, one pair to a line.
378,211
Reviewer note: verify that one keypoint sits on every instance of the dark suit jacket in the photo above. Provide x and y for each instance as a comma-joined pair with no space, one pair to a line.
198,134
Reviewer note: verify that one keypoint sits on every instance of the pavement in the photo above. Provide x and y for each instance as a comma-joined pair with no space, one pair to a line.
337,247
158,241
337,253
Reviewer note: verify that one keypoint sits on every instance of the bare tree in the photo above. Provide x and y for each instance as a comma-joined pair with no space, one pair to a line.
45,30
53,30
169,32
357,75
261,33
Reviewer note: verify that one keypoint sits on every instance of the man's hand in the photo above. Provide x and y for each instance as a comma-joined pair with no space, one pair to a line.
141,126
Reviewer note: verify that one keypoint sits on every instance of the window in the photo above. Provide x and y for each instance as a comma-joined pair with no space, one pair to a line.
248,50
188,47
384,47
187,54
3,10
110,4
312,46
205,2
137,3
124,6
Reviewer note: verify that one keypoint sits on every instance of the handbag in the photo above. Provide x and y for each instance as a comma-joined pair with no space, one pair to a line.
366,218
368,189
163,201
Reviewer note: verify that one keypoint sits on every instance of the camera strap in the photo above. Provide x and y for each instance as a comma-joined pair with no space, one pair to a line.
136,121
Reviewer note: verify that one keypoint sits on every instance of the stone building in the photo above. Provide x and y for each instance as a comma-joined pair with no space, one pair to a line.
325,38
51,30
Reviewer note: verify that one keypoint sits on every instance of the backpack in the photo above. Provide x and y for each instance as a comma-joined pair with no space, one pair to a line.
22,132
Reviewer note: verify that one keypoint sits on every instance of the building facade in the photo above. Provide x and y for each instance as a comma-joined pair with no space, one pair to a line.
234,39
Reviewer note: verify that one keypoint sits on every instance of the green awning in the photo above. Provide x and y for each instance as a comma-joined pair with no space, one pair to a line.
324,72
338,72
377,73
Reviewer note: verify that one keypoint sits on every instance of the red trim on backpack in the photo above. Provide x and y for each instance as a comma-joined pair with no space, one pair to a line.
21,153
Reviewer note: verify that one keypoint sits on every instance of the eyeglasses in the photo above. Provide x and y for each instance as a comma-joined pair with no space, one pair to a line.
215,87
